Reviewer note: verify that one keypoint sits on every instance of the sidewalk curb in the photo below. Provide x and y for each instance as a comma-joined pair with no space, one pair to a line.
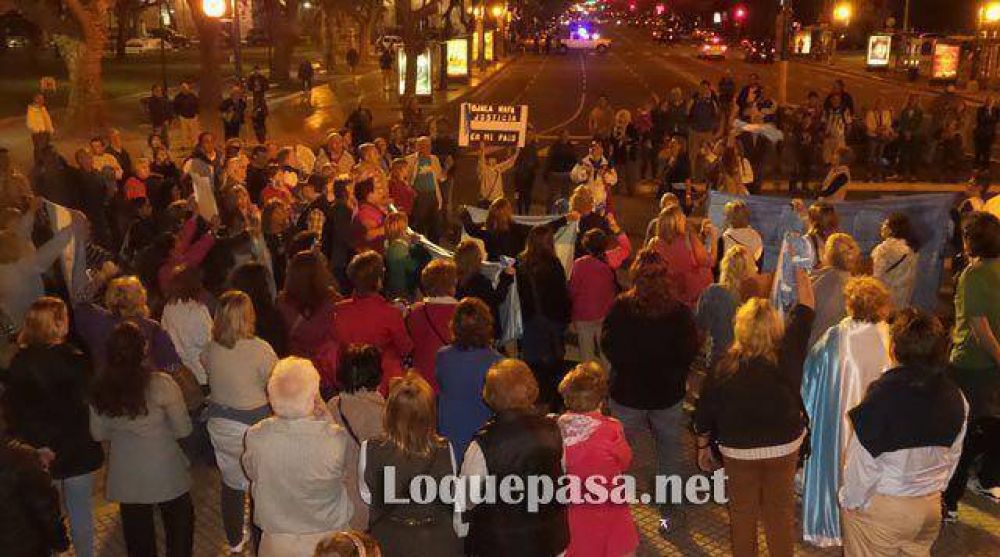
922,86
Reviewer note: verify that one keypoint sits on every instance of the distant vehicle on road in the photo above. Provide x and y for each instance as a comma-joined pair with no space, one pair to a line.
759,52
172,37
713,49
148,44
582,39
666,35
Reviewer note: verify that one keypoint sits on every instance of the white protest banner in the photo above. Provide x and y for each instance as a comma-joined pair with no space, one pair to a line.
493,124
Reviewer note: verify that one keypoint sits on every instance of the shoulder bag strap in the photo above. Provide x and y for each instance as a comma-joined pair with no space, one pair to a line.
897,263
347,423
430,322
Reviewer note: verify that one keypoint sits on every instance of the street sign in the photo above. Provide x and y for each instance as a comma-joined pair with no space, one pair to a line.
493,124
944,61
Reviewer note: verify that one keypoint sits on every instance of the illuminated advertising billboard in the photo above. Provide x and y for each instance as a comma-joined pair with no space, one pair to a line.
423,85
488,46
803,41
944,61
879,48
457,51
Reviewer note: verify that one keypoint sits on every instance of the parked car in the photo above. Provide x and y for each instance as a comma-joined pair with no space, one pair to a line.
172,37
148,44
713,49
258,37
759,52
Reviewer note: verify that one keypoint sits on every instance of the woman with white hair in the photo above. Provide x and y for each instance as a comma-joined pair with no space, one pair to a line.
717,305
624,144
296,461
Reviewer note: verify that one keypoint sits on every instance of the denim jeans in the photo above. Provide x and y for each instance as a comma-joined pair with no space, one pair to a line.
76,493
667,428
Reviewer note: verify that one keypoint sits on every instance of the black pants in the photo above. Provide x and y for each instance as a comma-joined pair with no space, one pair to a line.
802,172
524,186
909,156
178,525
982,437
425,217
231,131
982,146
40,141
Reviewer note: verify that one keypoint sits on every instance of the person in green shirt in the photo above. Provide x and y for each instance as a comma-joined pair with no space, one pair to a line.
975,356
401,265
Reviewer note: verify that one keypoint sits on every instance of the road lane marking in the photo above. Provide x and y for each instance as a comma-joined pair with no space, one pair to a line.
583,100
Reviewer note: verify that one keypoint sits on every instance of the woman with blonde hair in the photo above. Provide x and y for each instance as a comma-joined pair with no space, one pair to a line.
349,543
738,231
296,461
411,447
718,303
45,406
401,265
840,259
750,413
582,209
238,365
847,358
124,300
683,250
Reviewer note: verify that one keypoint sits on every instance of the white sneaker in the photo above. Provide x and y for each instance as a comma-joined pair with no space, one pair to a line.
991,493
238,548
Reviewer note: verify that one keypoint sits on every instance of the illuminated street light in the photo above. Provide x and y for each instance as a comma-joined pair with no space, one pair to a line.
842,13
214,8
497,11
990,13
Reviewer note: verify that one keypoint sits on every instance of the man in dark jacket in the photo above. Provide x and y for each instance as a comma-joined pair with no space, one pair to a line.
30,520
186,109
561,160
94,197
525,168
160,111
257,84
234,110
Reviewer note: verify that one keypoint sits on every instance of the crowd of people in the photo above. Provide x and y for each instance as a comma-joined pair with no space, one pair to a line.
285,315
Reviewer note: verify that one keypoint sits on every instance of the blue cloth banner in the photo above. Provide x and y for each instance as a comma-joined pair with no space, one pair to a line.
773,217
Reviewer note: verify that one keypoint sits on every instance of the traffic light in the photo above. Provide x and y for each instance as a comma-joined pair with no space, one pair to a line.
739,13
660,8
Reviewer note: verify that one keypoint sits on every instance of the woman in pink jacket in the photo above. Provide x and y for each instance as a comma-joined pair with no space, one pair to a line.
593,285
595,446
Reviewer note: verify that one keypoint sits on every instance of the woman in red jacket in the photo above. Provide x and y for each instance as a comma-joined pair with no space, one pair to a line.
367,318
429,321
306,305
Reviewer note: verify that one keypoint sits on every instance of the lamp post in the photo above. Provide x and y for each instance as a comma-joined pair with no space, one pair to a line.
216,9
842,14
163,47
499,12
478,12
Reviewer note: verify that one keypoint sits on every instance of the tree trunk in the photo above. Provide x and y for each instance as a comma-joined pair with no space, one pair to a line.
286,35
124,23
366,27
210,80
327,41
411,70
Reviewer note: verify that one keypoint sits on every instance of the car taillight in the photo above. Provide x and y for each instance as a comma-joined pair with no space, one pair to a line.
724,48
705,48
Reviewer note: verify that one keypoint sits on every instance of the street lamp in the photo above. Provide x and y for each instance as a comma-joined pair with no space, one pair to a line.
842,15
478,12
499,12
216,9
990,13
